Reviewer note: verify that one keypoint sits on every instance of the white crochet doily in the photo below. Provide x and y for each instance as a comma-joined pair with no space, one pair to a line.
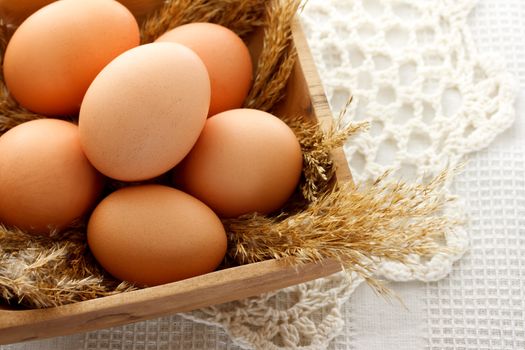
415,73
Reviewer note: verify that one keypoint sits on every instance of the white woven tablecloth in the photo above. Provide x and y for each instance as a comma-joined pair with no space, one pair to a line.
481,305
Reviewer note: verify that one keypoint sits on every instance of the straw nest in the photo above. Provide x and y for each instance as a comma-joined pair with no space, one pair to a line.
355,224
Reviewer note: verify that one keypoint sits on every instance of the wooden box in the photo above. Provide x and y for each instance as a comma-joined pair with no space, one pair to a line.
305,96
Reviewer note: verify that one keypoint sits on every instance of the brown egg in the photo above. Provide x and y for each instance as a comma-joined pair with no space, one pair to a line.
244,161
144,111
153,234
16,11
226,57
56,53
46,182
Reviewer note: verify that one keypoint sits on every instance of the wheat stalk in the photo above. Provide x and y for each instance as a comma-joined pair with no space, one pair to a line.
38,272
241,16
357,226
277,57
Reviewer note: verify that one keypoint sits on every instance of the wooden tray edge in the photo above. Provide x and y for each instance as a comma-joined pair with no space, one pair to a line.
186,295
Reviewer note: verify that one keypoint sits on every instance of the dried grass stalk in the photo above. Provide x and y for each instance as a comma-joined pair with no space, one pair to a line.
355,225
277,57
39,272
11,114
316,146
5,34
241,16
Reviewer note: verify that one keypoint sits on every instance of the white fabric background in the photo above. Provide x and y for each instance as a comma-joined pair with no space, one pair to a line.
480,306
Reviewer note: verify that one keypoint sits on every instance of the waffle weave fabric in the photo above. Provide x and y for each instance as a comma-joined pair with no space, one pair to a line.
426,73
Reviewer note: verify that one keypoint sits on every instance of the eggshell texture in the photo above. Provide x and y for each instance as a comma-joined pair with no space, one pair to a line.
226,57
144,111
244,161
153,234
46,182
56,53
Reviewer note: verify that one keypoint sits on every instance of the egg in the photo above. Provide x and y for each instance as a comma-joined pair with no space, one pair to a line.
56,53
46,182
154,234
144,111
15,11
244,161
226,57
